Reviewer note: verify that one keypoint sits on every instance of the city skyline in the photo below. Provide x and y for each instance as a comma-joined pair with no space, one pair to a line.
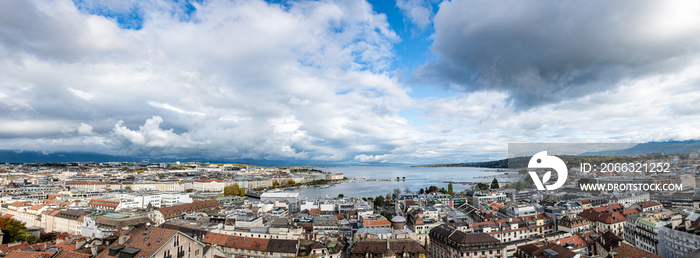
344,82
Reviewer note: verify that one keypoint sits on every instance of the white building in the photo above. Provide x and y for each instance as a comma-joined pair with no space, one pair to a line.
272,197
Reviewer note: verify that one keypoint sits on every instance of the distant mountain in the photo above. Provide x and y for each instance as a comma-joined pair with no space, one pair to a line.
13,156
670,147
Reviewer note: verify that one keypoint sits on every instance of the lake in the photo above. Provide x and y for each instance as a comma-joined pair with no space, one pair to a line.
436,176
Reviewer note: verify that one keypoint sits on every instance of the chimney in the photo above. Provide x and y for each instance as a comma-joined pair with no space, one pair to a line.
123,239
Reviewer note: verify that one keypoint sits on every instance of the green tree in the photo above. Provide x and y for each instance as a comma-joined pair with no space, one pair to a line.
189,190
421,191
450,190
387,215
404,178
494,184
432,189
14,230
483,186
379,201
519,186
341,195
233,190
397,178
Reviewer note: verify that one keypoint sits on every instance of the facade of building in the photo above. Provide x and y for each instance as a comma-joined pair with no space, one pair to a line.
154,242
448,242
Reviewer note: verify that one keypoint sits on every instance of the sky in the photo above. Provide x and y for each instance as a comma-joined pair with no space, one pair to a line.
344,82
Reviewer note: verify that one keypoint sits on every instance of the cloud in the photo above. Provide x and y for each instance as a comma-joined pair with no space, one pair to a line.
419,12
85,129
309,81
546,52
232,79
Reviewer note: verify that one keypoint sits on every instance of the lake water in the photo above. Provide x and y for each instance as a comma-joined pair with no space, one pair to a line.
436,176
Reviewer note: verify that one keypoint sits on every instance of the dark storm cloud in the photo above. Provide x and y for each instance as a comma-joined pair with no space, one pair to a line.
546,51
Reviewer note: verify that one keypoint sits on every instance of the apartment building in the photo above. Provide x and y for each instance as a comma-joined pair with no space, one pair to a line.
447,242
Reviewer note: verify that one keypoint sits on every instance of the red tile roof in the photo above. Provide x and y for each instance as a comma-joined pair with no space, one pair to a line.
28,254
148,243
177,210
628,251
575,240
23,246
21,204
631,211
216,239
250,243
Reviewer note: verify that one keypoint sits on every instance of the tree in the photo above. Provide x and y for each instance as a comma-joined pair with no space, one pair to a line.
189,190
341,195
519,186
275,184
387,199
128,187
387,215
494,184
483,186
432,189
442,191
397,178
232,190
241,193
379,201
14,230
407,190
404,178
421,191
450,190
397,192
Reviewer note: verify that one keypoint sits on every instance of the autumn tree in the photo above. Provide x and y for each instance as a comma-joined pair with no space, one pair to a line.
232,190
14,230
450,190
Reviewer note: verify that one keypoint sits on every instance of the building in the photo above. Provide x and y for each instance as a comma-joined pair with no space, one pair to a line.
550,250
505,230
69,221
86,186
642,231
272,197
517,211
676,200
153,242
107,225
675,242
239,246
605,218
573,225
478,198
448,242
167,213
387,248
105,205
